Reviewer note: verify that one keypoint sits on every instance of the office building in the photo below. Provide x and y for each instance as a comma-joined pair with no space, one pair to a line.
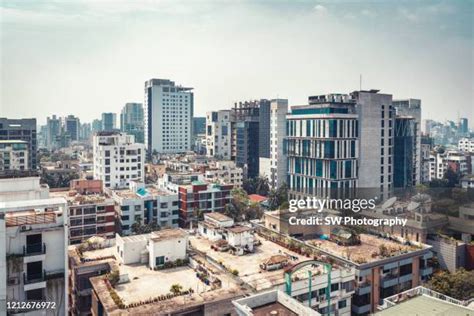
96,125
277,164
53,129
33,238
21,129
85,131
13,155
169,110
199,126
131,121
249,140
72,127
463,128
323,147
404,149
412,108
109,122
118,159
376,123
219,134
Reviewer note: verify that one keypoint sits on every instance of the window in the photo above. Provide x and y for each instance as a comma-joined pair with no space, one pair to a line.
159,261
342,304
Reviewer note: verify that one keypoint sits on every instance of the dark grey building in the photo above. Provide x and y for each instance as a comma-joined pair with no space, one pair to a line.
252,134
199,126
21,129
404,152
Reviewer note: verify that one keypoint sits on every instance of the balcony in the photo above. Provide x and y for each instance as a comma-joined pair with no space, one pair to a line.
363,288
389,280
34,249
426,271
30,278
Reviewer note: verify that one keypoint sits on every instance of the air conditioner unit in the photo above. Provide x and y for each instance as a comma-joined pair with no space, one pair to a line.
25,228
13,281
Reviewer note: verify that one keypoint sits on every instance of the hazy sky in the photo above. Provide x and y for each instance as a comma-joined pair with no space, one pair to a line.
89,57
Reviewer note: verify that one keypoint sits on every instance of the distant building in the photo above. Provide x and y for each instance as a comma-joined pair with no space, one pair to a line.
412,108
53,129
199,125
109,122
13,155
21,129
131,121
219,134
404,157
251,134
426,148
278,159
169,110
118,159
85,131
224,172
96,126
72,126
466,145
463,126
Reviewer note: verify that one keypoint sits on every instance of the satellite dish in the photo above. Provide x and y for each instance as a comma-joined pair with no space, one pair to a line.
413,206
389,202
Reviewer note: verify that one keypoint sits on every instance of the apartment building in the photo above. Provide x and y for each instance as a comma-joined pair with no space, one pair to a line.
21,129
322,147
441,160
224,172
376,122
466,145
13,155
426,148
89,214
118,159
219,134
33,258
195,195
169,110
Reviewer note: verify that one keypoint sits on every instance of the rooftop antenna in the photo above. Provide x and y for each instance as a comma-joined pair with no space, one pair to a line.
360,82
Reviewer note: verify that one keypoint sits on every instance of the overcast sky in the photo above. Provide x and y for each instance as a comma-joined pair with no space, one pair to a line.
89,57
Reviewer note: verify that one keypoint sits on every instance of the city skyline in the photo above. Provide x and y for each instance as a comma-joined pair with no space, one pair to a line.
210,46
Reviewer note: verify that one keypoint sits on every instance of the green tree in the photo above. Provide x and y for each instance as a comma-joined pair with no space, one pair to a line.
176,288
459,285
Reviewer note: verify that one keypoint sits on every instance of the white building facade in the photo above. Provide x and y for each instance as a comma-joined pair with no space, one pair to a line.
168,113
466,145
219,134
13,155
278,160
118,159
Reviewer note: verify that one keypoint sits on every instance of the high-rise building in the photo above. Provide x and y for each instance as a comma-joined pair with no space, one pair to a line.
277,164
249,140
219,134
169,110
376,122
463,126
53,127
85,131
13,155
199,125
96,125
322,147
109,122
72,127
33,252
426,147
131,121
21,129
118,159
404,152
412,108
